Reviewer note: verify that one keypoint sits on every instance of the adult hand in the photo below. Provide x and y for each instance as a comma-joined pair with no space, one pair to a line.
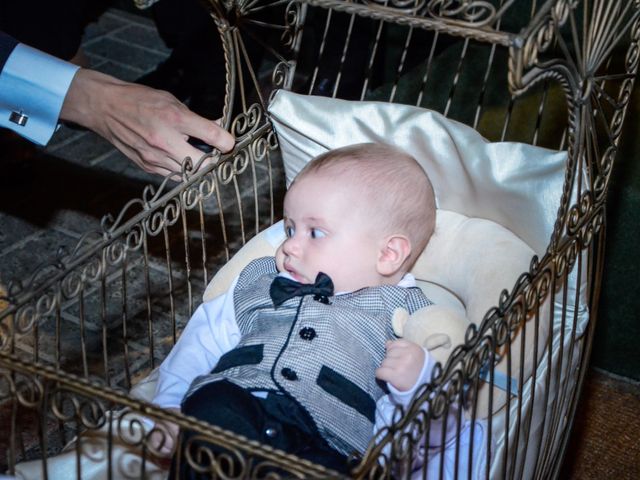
402,364
149,126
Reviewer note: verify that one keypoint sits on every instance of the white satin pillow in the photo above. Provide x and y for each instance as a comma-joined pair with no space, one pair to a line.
516,185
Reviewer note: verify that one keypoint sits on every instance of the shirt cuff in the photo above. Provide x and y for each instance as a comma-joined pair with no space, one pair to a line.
33,86
404,397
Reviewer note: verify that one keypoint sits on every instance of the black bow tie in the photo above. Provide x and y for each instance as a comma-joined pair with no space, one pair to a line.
282,289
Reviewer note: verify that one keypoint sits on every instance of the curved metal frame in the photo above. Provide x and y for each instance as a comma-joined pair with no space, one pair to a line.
566,43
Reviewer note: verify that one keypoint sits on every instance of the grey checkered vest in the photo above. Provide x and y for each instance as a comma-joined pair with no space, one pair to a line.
323,356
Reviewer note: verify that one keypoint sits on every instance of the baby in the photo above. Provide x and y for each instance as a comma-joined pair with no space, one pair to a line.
297,352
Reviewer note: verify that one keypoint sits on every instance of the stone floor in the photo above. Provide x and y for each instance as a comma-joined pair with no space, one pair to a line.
50,197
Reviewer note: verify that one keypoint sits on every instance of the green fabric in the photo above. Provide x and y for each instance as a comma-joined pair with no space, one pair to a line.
618,328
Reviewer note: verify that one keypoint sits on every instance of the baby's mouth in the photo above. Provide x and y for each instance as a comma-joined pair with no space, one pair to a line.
295,275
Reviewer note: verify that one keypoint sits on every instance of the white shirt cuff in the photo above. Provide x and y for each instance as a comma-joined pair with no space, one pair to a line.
34,84
404,397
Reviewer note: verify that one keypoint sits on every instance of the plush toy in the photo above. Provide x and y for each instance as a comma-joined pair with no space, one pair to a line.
437,328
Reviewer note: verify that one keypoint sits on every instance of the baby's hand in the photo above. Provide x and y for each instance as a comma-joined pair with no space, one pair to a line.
164,437
402,364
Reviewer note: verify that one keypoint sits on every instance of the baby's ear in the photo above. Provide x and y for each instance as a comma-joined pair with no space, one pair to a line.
393,253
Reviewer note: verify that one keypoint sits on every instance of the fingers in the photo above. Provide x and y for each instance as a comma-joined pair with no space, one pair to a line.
173,145
208,131
160,159
177,153
151,127
402,364
401,348
385,373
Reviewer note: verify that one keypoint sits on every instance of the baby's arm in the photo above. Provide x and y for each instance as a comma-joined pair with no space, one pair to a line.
400,356
210,333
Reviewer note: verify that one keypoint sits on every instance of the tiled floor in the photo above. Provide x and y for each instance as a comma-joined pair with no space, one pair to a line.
50,197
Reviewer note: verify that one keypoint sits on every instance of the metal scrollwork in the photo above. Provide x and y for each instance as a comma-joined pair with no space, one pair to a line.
69,406
541,39
555,49
225,172
531,297
207,185
6,334
92,269
590,228
115,252
29,391
633,54
579,212
109,224
241,161
408,6
72,284
292,21
272,138
566,258
7,385
164,218
280,77
28,316
134,238
501,331
479,357
131,429
467,12
247,122
193,195
230,463
604,165
543,283
151,193
260,148
515,315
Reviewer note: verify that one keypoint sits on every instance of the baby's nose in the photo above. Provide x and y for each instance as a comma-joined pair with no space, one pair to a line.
291,246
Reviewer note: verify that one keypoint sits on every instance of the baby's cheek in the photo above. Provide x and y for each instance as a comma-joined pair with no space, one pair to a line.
280,259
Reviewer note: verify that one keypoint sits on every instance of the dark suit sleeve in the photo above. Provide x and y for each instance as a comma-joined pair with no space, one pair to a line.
7,44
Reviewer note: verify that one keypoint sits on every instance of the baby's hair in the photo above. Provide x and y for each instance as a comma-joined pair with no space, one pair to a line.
394,187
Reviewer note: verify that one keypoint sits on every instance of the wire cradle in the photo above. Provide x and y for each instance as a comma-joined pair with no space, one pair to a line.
78,335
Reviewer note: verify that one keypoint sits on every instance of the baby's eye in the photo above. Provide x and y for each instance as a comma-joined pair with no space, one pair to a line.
289,231
317,233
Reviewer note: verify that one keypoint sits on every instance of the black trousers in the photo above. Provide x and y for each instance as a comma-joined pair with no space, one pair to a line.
277,421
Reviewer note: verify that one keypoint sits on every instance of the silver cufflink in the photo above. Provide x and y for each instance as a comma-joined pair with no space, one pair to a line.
18,118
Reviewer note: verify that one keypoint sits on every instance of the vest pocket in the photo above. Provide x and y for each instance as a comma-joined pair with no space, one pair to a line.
347,392
247,355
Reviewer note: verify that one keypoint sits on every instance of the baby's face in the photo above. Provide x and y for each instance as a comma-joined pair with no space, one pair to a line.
328,231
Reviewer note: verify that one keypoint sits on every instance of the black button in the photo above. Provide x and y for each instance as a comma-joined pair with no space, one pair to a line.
289,374
308,333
